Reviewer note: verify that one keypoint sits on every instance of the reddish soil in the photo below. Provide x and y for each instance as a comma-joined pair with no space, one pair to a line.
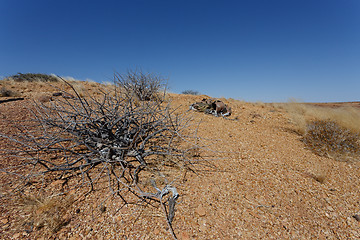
263,184
337,104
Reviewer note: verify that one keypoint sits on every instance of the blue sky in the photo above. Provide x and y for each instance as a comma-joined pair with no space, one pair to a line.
252,50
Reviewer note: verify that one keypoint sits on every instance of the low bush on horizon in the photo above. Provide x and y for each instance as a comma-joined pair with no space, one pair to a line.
32,77
190,92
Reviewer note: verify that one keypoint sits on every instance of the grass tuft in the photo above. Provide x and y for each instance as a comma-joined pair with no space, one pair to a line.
4,92
49,213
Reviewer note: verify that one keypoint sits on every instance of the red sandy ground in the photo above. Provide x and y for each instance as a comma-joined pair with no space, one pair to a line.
263,185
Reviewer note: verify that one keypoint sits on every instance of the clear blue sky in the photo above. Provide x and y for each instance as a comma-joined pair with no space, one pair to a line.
253,50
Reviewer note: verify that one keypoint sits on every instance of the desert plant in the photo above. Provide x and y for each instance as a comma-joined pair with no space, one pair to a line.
190,92
33,77
144,86
114,137
327,138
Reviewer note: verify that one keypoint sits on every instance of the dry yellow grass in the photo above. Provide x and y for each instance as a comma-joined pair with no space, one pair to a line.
347,117
49,213
328,131
4,92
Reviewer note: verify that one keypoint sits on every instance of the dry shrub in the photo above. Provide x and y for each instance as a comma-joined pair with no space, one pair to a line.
144,86
190,92
48,213
116,137
328,138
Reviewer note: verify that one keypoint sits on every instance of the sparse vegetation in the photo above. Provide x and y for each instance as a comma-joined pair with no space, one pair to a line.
330,132
257,165
33,77
190,92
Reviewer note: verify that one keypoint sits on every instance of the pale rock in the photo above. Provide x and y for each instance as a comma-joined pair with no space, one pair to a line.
184,236
201,211
4,221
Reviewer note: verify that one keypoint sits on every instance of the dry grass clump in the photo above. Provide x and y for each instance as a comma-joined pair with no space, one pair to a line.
328,138
48,213
4,92
298,115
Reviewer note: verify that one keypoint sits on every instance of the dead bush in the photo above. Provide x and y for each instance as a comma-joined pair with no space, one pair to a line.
113,138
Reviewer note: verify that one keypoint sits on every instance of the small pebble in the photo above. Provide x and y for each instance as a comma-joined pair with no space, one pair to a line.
357,217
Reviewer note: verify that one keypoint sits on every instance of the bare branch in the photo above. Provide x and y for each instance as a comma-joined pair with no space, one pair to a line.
122,136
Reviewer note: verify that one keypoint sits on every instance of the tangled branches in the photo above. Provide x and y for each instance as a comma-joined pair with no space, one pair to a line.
143,86
115,137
